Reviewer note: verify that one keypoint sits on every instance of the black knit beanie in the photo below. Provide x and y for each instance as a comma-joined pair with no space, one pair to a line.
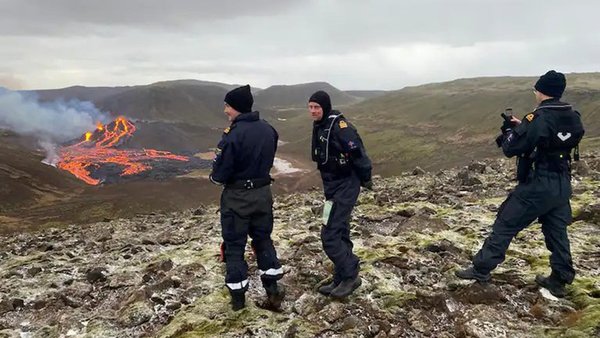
322,98
240,99
551,84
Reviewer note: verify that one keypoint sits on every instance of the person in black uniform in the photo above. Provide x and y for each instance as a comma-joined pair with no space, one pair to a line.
542,142
244,158
345,167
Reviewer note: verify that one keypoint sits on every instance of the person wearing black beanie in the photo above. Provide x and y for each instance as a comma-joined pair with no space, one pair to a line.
551,84
344,166
543,142
243,161
240,99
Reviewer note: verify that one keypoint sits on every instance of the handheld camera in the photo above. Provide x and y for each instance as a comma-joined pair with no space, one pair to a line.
507,115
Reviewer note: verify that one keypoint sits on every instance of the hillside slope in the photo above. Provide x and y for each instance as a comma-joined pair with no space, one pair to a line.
25,180
366,94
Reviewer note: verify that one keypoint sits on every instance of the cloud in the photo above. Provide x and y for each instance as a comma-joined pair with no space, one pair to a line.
353,44
72,17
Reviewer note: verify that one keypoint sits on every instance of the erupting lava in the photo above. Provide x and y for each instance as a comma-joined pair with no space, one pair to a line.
98,148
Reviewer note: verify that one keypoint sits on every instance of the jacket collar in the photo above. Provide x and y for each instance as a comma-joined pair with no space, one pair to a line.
554,103
252,116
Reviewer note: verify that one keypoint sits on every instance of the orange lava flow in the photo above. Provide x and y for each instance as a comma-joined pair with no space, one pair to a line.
98,148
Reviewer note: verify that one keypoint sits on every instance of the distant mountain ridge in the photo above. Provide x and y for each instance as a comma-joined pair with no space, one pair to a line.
82,93
193,82
295,96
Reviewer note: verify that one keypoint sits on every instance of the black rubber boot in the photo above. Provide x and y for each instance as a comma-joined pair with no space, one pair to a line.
471,273
346,287
553,284
327,288
238,300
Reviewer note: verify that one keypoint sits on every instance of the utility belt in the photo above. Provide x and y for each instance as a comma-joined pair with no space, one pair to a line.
558,162
554,162
249,184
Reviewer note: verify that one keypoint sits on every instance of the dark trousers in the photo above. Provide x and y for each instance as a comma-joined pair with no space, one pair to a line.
243,213
544,197
335,235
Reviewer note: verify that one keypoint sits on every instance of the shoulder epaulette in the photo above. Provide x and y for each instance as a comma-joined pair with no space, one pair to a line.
228,129
531,116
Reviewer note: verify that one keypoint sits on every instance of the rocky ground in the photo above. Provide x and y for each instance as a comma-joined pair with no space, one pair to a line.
159,274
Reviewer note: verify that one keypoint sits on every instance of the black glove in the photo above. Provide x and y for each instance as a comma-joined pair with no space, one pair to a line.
506,126
499,140
367,184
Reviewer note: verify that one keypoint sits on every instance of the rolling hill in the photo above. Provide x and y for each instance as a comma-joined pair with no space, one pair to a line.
192,104
296,96
82,93
366,94
193,82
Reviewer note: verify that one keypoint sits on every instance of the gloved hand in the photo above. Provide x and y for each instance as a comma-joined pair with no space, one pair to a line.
367,184
509,124
499,140
506,126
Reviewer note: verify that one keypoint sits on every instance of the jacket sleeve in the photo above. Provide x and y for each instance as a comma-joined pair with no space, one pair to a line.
352,145
223,164
525,137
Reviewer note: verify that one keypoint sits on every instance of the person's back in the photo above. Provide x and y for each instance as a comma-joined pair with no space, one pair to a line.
564,130
243,160
255,142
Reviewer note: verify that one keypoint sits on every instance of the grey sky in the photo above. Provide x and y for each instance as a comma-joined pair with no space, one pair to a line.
352,44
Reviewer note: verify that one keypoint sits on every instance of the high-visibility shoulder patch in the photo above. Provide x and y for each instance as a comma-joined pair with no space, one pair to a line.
530,117
227,130
343,124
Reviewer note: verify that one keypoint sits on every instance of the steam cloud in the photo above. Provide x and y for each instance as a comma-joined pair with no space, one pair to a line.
52,156
56,121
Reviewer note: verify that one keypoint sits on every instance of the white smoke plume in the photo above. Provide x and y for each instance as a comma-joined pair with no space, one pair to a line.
52,156
56,121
